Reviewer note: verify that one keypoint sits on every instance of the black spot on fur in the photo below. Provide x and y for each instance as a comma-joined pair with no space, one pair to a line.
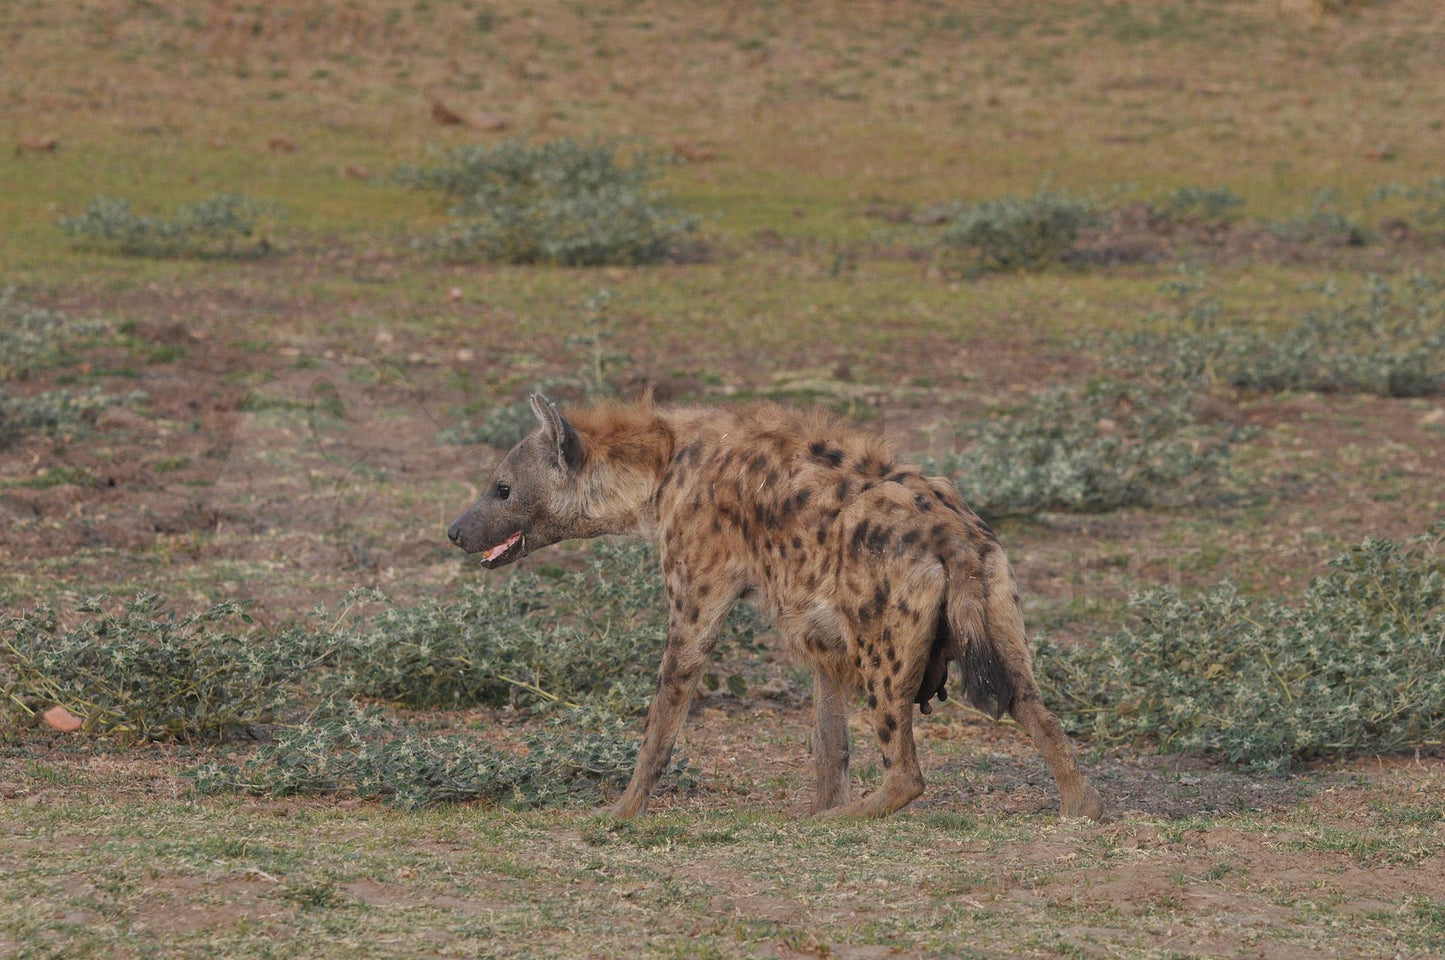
822,535
832,456
800,499
860,535
845,489
909,539
898,477
891,722
878,539
923,503
885,735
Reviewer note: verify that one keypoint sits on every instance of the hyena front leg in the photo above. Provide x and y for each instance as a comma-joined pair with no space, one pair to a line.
690,639
830,742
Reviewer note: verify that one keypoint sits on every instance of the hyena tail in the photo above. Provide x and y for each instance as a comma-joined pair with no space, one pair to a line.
985,631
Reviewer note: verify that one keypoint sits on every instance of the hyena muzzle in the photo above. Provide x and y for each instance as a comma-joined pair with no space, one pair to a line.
877,576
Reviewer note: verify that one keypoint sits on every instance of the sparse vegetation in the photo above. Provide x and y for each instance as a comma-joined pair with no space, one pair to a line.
565,202
215,227
143,672
1199,203
344,749
1353,667
1388,339
1100,446
57,414
32,338
1326,222
1015,233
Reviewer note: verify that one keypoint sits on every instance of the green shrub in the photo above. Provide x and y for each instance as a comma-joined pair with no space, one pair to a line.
1353,667
1016,233
144,673
565,202
1105,445
213,227
1429,212
55,413
33,339
592,635
1199,203
1325,223
1388,340
347,750
502,426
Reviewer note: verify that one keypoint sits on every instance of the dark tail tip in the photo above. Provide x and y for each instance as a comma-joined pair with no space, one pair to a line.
987,686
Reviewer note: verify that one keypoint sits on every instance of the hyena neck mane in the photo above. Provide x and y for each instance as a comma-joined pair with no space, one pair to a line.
626,449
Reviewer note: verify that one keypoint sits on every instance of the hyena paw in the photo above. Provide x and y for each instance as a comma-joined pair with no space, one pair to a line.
1088,804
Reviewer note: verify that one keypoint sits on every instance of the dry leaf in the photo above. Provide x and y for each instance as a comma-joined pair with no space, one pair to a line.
62,719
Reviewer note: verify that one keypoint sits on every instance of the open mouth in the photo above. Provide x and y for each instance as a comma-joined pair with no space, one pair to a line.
504,552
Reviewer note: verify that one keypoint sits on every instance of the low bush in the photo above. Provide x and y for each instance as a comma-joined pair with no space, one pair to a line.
1353,667
537,637
1101,446
502,426
58,414
215,226
551,635
1388,340
1326,223
1199,203
1429,211
144,673
565,202
345,749
32,338
1015,233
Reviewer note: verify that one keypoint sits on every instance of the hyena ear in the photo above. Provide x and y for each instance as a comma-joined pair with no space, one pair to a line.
568,444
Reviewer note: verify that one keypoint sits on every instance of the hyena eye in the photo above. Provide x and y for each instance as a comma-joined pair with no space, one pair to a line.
503,491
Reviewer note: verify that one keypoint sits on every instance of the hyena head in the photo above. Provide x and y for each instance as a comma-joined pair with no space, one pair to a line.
529,501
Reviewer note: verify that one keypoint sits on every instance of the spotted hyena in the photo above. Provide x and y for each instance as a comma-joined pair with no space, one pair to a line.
876,575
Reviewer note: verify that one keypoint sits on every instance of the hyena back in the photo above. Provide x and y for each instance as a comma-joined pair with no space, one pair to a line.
876,575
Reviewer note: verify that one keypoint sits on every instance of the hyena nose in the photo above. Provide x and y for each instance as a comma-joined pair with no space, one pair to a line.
454,532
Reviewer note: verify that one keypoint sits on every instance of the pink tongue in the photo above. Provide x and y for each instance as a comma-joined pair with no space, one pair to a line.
502,547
